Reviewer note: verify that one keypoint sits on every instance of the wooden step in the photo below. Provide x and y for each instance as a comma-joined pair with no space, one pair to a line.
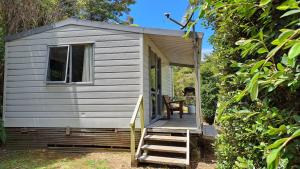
165,138
162,160
159,148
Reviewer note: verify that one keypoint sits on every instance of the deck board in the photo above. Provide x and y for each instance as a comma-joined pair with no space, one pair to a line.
187,122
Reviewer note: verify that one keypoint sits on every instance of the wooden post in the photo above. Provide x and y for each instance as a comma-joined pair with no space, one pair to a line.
142,116
132,145
197,60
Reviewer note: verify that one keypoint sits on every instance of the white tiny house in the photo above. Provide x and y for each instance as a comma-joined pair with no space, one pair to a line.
81,74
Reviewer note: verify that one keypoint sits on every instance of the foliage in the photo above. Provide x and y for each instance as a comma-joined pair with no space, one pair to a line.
183,77
209,89
21,15
257,46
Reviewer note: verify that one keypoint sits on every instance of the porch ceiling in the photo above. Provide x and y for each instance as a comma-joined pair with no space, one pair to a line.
178,50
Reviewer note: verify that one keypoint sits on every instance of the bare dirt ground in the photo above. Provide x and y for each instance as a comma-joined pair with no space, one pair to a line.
45,159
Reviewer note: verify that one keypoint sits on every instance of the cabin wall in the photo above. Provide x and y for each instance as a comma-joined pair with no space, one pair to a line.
166,74
106,103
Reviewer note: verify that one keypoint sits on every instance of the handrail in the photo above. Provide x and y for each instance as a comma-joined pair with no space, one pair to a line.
139,109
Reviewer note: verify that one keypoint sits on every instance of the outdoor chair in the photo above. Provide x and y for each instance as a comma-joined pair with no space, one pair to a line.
173,105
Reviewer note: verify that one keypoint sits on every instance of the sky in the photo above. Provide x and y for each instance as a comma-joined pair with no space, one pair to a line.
150,13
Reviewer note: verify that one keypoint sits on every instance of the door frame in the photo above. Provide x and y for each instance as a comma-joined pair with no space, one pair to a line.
158,83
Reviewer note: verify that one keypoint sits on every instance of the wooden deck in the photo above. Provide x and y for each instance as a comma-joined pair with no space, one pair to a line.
188,121
180,125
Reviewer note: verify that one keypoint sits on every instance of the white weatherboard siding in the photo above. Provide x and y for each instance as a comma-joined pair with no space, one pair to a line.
106,103
165,74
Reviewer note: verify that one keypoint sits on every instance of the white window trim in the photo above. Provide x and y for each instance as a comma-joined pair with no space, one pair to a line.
69,59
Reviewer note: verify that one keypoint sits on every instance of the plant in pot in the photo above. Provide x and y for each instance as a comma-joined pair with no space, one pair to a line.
190,102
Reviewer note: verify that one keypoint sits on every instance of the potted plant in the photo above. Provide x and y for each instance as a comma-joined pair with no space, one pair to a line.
190,102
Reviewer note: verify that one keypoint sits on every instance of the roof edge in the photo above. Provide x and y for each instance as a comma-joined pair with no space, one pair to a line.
96,24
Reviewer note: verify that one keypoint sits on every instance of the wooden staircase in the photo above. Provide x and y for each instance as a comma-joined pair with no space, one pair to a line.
164,148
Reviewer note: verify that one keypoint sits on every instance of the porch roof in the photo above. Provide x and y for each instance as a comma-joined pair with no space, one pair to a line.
178,50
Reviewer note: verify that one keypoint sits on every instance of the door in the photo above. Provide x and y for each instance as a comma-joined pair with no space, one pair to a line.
155,85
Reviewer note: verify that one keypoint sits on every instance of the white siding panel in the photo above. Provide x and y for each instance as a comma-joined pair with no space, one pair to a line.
69,122
123,49
121,43
117,62
26,66
72,95
69,108
25,78
37,53
118,56
69,114
77,89
26,48
70,33
72,101
108,102
74,39
27,60
26,72
116,75
128,68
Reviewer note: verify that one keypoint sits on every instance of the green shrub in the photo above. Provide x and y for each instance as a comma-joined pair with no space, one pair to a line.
257,44
209,89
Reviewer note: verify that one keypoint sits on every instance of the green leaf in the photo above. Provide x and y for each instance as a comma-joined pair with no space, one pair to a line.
264,2
286,33
294,51
296,134
288,4
291,12
288,62
253,87
261,35
272,157
254,91
277,143
257,65
297,118
262,50
280,67
218,5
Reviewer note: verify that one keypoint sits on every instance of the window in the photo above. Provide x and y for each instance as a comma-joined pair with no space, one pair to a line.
70,64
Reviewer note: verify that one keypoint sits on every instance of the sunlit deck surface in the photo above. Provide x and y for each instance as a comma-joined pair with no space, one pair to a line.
180,125
188,121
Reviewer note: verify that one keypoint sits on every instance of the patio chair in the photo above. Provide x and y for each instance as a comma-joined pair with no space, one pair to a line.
173,105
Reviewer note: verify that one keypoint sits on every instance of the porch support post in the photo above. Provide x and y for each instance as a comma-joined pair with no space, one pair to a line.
197,61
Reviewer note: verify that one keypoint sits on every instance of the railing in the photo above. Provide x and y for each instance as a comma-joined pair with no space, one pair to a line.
139,109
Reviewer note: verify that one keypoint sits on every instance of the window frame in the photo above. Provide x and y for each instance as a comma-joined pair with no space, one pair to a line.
48,64
69,61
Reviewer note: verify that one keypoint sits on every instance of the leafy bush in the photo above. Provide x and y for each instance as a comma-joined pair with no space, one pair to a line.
209,89
183,77
258,46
